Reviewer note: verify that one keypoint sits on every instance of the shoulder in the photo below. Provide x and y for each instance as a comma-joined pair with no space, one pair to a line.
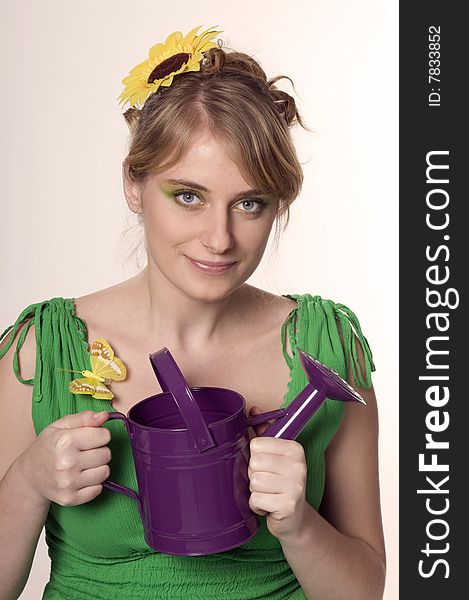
105,312
267,310
98,302
117,300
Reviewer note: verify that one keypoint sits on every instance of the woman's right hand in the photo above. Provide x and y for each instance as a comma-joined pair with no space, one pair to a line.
68,462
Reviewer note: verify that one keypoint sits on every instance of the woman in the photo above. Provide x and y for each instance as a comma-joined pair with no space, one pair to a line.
211,167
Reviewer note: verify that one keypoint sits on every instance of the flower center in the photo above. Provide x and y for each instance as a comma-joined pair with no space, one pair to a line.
173,63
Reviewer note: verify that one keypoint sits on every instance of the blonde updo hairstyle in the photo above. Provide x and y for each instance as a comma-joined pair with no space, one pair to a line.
231,98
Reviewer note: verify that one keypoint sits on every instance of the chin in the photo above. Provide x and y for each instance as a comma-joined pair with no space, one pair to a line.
211,293
211,290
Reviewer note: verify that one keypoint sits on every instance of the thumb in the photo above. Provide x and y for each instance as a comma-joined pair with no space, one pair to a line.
86,418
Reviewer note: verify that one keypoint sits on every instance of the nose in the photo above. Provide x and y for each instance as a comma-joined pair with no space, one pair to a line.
216,233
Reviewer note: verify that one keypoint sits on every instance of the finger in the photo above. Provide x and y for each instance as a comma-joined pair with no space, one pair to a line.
270,463
269,483
90,477
275,446
88,459
259,512
87,438
87,494
85,418
265,502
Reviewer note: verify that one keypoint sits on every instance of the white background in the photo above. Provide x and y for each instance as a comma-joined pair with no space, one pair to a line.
63,140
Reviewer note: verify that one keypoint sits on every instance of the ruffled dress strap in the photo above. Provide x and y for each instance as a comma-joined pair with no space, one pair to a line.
316,326
351,331
31,315
61,343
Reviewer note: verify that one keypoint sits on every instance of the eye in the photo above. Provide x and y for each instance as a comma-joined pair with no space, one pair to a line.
252,206
186,198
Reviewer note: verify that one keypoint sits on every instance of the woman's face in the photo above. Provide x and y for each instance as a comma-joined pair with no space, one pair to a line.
204,210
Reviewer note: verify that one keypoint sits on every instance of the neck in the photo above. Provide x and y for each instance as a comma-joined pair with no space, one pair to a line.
185,322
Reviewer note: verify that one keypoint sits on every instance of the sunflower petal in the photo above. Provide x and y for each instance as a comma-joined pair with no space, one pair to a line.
173,39
191,35
156,50
203,41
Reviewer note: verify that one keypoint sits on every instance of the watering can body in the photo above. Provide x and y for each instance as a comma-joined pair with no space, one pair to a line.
191,452
191,503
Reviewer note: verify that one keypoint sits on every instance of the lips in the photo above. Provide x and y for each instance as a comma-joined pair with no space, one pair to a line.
210,267
209,263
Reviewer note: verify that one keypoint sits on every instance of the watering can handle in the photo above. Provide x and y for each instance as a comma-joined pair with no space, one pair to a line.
115,487
172,380
267,416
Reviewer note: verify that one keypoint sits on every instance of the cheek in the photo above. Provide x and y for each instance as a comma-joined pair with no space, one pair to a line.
253,238
163,225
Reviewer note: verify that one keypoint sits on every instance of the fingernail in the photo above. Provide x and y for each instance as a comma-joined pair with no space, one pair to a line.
98,415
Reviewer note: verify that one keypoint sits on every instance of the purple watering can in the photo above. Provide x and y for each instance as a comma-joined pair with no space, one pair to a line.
191,454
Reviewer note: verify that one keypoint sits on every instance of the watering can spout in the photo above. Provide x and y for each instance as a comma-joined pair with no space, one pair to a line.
323,383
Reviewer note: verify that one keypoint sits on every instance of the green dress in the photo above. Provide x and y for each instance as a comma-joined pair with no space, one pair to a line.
97,549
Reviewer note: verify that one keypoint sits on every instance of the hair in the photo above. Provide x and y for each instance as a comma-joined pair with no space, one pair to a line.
232,99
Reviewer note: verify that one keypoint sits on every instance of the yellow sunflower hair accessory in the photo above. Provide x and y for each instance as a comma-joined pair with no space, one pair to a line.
177,55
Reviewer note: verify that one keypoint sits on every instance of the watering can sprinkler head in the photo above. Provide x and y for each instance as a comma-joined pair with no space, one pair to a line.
328,381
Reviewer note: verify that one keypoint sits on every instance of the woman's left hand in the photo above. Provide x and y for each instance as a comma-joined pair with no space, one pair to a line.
277,473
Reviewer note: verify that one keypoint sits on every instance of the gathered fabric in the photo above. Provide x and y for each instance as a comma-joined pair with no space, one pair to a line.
97,549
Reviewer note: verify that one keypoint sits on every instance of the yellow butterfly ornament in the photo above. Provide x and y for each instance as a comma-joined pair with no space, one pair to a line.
105,366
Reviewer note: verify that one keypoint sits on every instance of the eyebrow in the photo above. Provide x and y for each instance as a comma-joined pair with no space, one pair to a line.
197,186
